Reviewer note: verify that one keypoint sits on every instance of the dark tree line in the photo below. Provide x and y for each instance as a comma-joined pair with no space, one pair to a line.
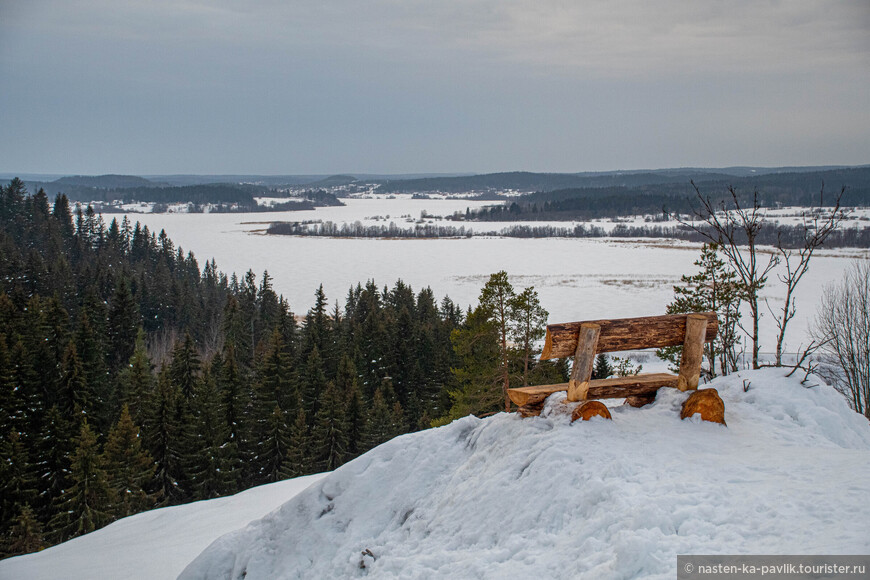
788,236
130,377
358,230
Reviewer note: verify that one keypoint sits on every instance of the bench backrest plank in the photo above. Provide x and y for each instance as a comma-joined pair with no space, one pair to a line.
625,334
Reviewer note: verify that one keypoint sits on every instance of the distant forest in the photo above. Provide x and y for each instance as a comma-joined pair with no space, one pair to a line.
223,197
133,377
774,190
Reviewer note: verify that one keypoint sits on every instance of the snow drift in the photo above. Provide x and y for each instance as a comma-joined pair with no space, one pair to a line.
153,545
506,497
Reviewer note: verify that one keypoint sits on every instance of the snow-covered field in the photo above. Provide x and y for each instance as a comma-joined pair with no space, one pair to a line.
576,278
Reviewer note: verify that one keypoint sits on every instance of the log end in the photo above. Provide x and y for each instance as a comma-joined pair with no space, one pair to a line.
706,403
519,398
590,409
640,400
531,410
547,353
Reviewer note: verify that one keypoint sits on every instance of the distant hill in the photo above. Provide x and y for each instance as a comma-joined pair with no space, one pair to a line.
489,185
264,180
524,181
334,181
104,181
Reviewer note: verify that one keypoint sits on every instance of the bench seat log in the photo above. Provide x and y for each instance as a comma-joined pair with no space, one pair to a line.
615,388
625,334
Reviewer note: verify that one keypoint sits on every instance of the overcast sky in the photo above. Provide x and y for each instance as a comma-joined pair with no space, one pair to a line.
402,86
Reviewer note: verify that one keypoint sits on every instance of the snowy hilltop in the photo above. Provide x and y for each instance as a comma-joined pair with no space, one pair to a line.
506,497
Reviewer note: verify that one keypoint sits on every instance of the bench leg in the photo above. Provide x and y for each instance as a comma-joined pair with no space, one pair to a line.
584,359
693,352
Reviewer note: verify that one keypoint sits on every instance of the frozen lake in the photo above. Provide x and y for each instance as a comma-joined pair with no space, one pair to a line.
576,278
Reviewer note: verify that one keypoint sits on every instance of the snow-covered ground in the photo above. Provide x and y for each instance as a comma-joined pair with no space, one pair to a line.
154,545
576,279
505,497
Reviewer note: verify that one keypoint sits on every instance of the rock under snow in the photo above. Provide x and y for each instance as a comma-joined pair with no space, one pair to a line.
506,497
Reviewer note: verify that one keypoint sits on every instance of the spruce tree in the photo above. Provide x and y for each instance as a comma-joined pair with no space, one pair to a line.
7,388
312,383
57,335
235,398
276,385
213,471
398,423
316,325
164,441
286,325
85,505
267,303
26,535
348,387
123,324
53,451
298,460
276,399
250,316
184,372
17,479
25,412
129,467
91,353
603,368
135,382
63,216
36,335
185,366
478,378
404,366
372,340
273,445
330,430
236,331
379,425
76,401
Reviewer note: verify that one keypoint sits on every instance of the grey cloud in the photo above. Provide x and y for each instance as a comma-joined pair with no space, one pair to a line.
416,85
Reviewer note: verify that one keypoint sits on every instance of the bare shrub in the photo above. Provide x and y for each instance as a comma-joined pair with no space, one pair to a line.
842,326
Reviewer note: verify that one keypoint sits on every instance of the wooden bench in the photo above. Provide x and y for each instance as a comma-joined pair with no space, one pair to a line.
584,340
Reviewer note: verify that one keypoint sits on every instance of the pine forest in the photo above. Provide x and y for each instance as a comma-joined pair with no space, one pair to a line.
132,378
